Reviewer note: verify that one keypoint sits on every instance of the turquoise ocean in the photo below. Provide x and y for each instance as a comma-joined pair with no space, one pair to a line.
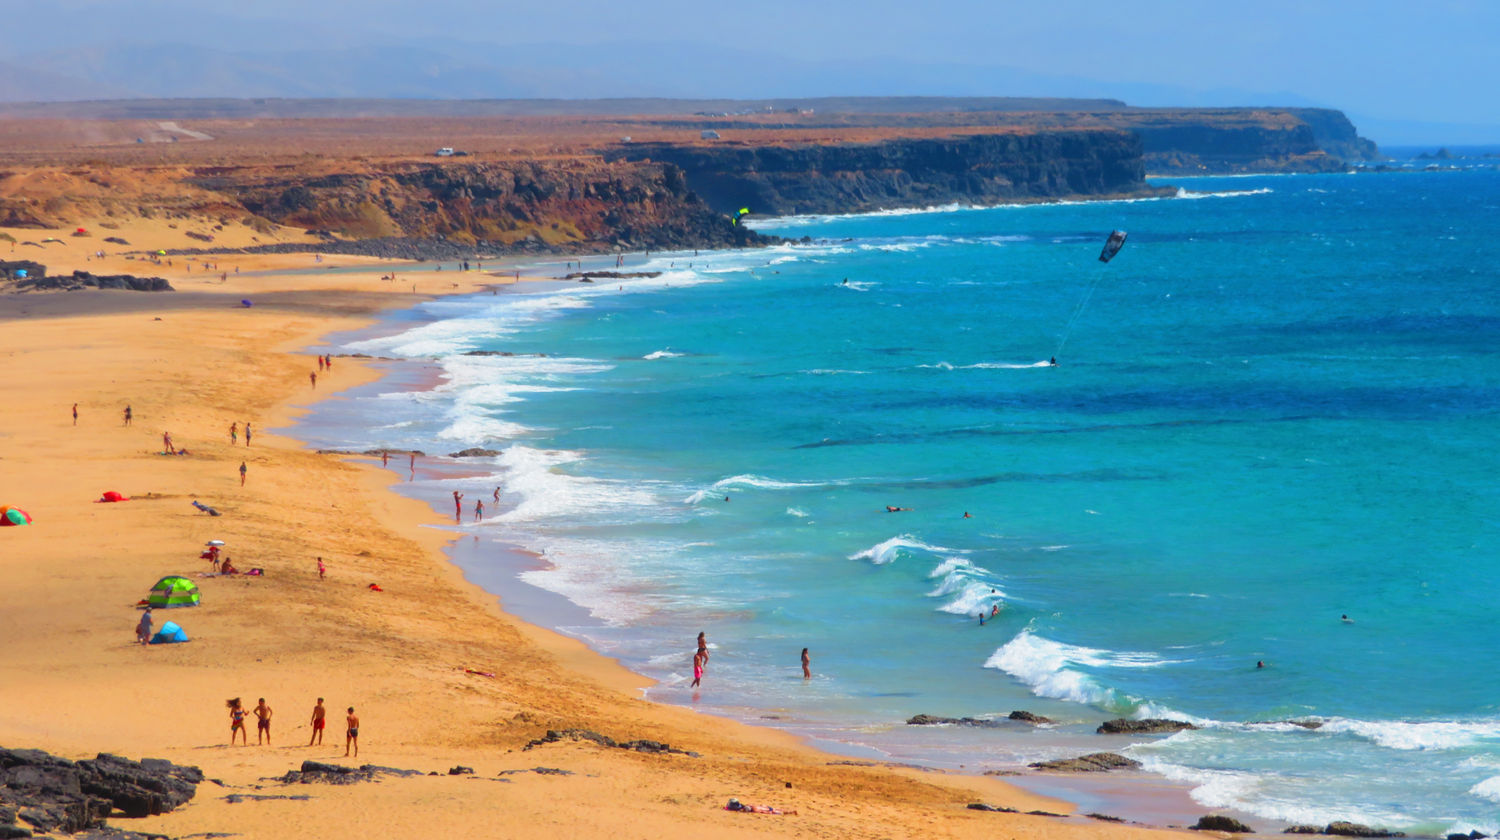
1279,405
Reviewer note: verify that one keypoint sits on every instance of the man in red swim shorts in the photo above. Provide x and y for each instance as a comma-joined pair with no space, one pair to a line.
317,723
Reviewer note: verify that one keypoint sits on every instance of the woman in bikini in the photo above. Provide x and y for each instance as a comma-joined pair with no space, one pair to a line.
237,721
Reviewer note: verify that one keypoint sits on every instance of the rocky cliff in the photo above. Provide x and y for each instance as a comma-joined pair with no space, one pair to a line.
980,168
576,204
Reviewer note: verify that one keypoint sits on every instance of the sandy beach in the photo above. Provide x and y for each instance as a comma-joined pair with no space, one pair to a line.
193,362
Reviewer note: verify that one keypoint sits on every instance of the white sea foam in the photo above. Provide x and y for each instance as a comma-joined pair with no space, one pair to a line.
972,592
663,354
1186,193
545,492
891,549
832,372
858,285
1488,789
797,512
1424,735
747,481
1054,669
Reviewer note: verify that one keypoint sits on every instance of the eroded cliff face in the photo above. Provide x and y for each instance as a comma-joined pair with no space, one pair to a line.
573,204
981,168
1239,140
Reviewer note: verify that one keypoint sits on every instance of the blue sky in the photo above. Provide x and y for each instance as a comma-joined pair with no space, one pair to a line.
1401,70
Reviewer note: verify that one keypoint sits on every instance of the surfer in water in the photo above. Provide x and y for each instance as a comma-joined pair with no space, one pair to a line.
1052,362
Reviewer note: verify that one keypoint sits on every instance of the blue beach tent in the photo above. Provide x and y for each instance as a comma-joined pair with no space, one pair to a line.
169,634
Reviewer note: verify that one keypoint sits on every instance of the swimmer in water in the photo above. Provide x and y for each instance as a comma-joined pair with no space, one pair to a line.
1346,619
893,509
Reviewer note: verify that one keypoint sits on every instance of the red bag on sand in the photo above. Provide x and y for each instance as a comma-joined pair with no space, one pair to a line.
375,587
112,496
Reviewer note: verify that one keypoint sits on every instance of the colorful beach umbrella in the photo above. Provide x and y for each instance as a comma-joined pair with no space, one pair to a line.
13,516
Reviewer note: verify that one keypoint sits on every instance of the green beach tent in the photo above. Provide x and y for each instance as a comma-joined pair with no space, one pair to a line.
174,591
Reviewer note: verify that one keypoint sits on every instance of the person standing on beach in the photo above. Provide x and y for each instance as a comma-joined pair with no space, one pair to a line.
385,457
412,464
262,722
351,733
127,415
497,495
247,432
478,509
75,414
236,720
320,362
317,713
143,630
458,506
806,665
166,442
312,376
699,660
322,575
242,473
234,433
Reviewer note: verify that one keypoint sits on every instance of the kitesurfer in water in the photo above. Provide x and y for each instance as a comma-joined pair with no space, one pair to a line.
1052,362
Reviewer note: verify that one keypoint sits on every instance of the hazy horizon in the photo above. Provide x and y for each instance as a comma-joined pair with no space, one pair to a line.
1400,77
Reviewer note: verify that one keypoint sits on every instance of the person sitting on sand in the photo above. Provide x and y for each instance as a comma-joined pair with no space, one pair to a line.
236,720
227,568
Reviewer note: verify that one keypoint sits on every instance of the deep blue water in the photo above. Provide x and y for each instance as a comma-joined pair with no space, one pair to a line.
1276,406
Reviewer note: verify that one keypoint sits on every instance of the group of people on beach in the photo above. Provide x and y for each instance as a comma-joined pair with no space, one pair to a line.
262,712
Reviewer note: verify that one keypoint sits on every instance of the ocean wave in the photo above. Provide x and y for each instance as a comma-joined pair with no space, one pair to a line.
797,512
1252,793
1412,735
663,354
857,285
987,365
969,585
893,548
531,479
748,481
831,372
1186,193
1052,669
1488,789
821,218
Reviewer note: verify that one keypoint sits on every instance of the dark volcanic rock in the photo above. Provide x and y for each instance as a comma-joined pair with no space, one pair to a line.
1302,829
980,806
10,268
1149,726
1343,828
555,735
1028,717
51,794
1217,822
336,774
609,275
931,720
80,279
474,452
1091,763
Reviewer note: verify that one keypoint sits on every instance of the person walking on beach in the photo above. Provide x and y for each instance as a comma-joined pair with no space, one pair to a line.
806,665
351,734
320,362
143,629
478,509
412,464
236,721
458,506
497,495
262,722
127,415
75,414
322,575
242,473
328,361
385,457
312,376
166,442
317,714
234,433
247,432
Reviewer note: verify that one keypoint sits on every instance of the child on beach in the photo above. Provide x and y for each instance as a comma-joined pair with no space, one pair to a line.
322,575
234,433
236,720
143,630
351,734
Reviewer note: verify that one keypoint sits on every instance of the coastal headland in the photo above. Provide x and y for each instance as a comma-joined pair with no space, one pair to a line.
439,675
